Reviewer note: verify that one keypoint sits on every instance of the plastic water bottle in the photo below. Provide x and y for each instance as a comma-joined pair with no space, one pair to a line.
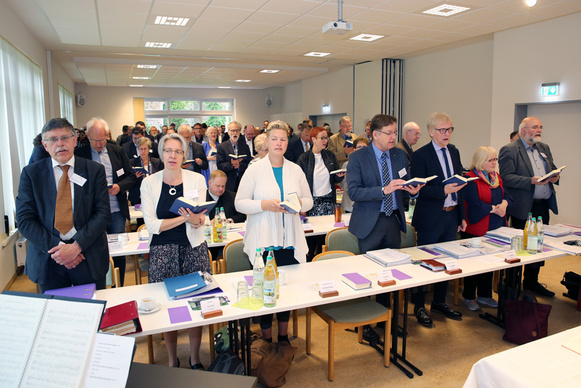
532,240
258,275
540,234
269,285
224,223
208,230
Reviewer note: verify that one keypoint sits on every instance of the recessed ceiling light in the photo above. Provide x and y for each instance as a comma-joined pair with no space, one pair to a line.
224,87
316,54
446,10
141,77
171,21
135,86
531,3
157,44
148,66
269,71
366,37
243,80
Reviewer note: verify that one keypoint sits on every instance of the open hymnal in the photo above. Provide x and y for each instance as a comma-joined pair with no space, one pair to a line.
194,206
460,180
552,173
232,156
418,181
292,203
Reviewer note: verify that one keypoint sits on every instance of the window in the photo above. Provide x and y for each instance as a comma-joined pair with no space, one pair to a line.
161,112
66,104
21,118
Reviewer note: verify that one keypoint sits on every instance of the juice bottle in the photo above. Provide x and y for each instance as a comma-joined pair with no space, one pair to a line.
269,285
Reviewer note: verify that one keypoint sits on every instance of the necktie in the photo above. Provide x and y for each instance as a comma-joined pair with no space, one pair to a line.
385,178
63,212
448,173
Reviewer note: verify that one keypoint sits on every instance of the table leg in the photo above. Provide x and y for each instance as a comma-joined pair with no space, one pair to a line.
509,287
395,356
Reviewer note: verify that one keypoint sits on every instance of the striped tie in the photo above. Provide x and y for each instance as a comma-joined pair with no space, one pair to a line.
387,199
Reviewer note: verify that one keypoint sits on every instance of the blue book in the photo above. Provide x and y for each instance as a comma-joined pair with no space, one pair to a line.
460,180
184,286
194,206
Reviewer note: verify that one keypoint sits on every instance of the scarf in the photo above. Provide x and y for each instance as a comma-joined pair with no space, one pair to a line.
491,179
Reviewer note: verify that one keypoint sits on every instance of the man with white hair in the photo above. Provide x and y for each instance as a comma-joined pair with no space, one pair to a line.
411,135
196,153
233,156
119,174
341,144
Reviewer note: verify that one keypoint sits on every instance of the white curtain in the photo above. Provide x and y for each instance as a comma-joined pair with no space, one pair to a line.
66,104
21,118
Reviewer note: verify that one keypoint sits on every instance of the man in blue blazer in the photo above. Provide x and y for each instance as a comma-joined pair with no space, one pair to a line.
79,255
522,162
120,178
439,213
234,168
300,145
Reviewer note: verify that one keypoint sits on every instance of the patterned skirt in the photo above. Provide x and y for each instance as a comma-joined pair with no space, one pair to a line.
171,260
322,206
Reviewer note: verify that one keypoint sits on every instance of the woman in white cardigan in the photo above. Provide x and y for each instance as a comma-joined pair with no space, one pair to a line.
177,244
264,185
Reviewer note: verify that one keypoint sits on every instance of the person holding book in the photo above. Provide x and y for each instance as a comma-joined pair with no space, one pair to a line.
485,201
177,244
263,187
317,164
233,156
211,150
522,163
144,165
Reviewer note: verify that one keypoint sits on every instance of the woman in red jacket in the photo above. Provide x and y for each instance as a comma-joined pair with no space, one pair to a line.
485,202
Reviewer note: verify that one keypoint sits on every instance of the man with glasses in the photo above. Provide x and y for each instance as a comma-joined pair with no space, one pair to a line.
341,144
301,145
439,213
522,162
196,154
233,156
119,174
411,135
62,208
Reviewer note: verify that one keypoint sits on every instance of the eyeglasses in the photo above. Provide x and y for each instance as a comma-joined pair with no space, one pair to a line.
492,160
234,131
388,133
444,130
55,139
323,138
536,127
98,141
169,152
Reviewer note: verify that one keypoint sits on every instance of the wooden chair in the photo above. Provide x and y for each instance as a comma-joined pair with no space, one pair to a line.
113,276
347,315
341,239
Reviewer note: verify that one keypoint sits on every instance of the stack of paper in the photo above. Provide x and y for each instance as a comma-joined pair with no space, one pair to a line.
454,249
388,257
504,234
557,230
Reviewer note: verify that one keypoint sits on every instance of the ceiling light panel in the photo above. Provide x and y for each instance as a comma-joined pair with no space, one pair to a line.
171,21
148,66
243,80
157,44
266,71
366,37
446,10
316,54
141,77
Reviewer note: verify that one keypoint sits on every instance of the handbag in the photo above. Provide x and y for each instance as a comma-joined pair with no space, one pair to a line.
525,321
270,362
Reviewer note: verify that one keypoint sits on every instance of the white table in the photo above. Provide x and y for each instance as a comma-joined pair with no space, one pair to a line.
543,363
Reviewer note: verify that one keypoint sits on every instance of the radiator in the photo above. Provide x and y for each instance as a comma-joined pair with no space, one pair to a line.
21,245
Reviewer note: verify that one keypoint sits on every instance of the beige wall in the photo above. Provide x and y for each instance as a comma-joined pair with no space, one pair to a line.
334,88
367,94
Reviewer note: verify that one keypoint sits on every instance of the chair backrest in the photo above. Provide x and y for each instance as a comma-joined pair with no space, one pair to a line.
408,239
236,259
141,227
329,255
341,239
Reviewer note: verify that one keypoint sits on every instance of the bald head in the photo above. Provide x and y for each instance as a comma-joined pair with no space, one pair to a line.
411,133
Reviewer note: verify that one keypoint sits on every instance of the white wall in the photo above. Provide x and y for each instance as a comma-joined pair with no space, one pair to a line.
115,105
367,94
334,88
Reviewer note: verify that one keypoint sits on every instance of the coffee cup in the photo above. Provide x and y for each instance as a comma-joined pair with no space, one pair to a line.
476,242
147,304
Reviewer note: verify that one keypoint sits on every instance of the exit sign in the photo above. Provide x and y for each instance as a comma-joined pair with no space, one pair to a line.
551,89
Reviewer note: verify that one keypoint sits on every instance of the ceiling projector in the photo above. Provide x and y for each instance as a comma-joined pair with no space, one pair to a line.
338,27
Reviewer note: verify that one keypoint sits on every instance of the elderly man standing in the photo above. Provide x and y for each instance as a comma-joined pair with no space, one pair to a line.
522,163
248,138
341,144
119,173
411,135
62,208
196,152
301,145
439,212
233,156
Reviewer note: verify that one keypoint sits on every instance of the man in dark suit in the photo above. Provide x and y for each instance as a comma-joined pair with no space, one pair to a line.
411,135
130,147
195,151
120,177
438,216
67,239
522,163
248,138
233,167
301,145
224,198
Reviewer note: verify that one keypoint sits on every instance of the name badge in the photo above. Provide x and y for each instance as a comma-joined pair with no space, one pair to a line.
191,194
451,265
120,172
543,155
328,286
209,305
78,180
402,172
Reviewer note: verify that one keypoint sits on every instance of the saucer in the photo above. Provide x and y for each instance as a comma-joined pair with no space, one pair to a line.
156,308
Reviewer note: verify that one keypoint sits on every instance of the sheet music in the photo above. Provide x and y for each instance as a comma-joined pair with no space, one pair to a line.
110,361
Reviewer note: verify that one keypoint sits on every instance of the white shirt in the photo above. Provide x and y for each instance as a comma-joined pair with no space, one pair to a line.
321,180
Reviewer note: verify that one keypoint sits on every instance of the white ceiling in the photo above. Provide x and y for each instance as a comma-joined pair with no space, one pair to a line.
101,42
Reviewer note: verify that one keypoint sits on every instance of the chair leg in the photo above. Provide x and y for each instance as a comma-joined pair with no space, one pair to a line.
360,334
150,349
211,340
295,323
308,319
331,357
137,269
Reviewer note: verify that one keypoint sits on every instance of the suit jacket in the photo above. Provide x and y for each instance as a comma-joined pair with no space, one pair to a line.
135,191
38,153
404,146
224,163
516,172
294,150
226,201
132,151
35,206
242,139
198,151
337,146
430,201
365,189
119,161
